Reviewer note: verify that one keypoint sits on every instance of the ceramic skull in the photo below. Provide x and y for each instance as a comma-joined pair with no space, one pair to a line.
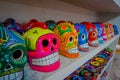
104,34
33,23
12,55
116,30
107,29
68,39
43,47
11,24
111,30
82,37
51,24
92,34
99,31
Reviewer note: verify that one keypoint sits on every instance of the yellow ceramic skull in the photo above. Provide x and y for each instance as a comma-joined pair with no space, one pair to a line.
68,39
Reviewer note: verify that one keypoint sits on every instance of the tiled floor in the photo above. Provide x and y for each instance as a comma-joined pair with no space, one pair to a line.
115,70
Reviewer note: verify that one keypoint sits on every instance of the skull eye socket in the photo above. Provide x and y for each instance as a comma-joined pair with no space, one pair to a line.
83,36
45,43
54,41
0,65
94,34
76,37
71,39
17,54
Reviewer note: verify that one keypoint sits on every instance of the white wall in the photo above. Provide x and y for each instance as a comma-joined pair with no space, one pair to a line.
43,11
115,20
117,2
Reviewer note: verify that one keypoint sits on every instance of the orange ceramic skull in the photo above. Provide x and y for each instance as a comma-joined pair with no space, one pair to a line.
68,39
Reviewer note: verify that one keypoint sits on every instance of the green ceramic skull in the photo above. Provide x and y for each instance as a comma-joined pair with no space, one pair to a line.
12,55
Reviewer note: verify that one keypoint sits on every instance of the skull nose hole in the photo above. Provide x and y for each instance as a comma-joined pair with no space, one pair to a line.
75,43
52,48
8,67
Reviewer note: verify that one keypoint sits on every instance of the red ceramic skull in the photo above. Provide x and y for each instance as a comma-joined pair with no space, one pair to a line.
92,34
33,23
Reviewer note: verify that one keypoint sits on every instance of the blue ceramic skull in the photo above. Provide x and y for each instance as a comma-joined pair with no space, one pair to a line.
99,31
116,30
51,24
82,37
12,55
11,24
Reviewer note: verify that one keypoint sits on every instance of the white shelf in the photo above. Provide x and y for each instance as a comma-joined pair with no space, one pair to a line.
117,2
67,65
106,67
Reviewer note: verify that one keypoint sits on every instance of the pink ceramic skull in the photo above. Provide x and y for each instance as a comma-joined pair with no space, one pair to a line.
104,35
43,47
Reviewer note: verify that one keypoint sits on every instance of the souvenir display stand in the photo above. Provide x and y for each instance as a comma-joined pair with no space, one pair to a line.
43,10
70,65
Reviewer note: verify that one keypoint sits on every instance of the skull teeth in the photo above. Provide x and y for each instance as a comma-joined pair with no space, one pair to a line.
100,38
84,45
46,60
73,50
14,76
105,37
109,35
94,42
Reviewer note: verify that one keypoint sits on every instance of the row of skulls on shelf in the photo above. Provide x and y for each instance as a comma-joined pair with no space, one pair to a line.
41,42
